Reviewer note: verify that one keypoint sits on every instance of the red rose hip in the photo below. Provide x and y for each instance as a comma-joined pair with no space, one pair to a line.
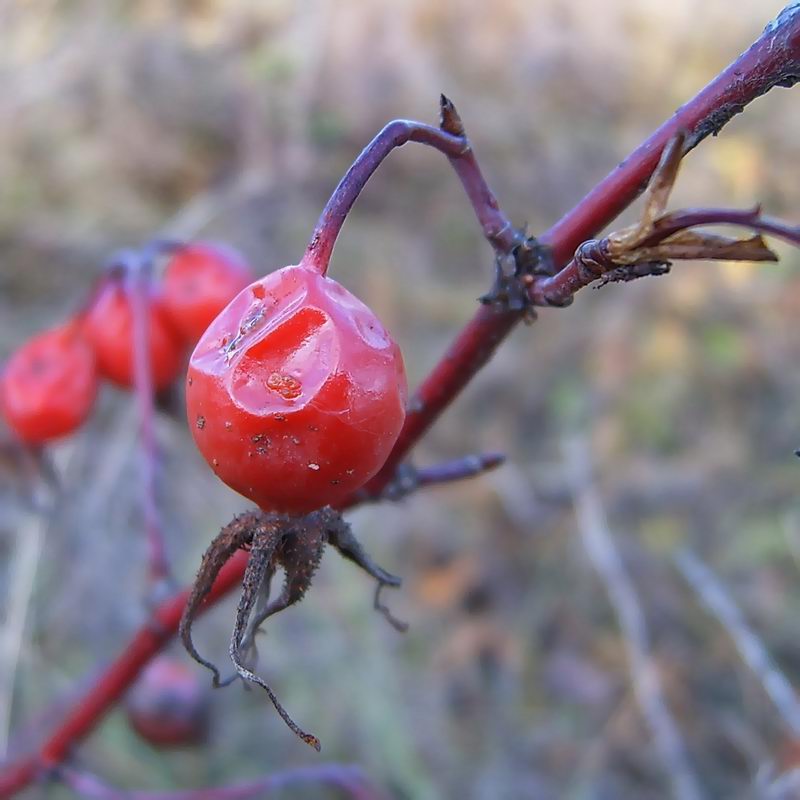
296,393
109,328
199,281
49,385
168,706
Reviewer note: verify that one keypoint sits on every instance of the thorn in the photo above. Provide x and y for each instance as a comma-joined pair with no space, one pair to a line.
449,119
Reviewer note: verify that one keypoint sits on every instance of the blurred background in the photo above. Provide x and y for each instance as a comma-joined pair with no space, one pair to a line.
234,119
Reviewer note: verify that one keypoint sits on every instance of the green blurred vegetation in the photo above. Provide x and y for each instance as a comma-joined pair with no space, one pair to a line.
234,119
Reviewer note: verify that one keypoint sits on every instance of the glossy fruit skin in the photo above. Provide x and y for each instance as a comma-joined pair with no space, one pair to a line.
108,326
200,279
168,706
296,393
48,386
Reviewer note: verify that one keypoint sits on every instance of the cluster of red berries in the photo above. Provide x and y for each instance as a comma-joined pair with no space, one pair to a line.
49,384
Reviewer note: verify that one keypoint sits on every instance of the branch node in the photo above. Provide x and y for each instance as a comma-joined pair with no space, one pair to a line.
516,272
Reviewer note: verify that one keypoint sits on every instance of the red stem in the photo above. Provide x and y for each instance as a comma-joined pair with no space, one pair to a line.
773,60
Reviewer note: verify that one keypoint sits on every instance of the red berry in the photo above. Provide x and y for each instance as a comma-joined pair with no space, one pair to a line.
296,393
199,281
168,706
109,327
49,385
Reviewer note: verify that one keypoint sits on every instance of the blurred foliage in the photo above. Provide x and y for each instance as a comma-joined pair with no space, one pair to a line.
234,119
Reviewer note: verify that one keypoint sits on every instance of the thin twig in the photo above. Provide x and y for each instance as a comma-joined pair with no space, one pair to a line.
752,651
29,543
22,569
605,558
139,284
410,478
348,778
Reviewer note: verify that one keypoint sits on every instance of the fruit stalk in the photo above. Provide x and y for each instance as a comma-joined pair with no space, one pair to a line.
453,143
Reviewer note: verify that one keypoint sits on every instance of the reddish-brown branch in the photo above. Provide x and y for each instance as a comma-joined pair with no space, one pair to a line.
773,60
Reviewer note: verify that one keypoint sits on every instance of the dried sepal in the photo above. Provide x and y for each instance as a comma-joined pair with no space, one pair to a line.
660,237
656,197
701,246
235,536
274,540
661,184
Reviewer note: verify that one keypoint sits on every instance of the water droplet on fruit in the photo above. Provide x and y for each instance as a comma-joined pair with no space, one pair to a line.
315,467
201,422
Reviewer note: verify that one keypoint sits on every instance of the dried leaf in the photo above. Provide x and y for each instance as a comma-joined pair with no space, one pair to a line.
695,245
662,182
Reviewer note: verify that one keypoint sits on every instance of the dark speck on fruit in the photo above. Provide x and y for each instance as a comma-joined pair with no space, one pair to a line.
201,422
